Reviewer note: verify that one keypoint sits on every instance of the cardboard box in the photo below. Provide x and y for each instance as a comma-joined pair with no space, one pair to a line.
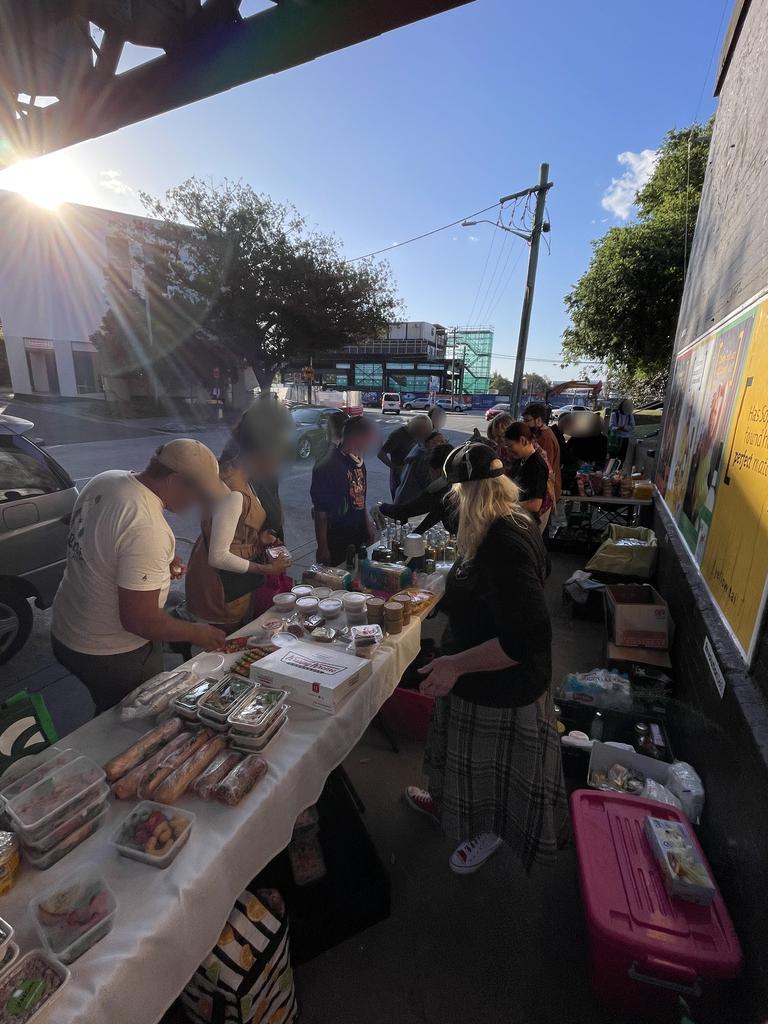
638,616
312,674
683,869
638,656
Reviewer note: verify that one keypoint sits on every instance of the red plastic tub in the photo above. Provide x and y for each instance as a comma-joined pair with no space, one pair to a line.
647,948
407,713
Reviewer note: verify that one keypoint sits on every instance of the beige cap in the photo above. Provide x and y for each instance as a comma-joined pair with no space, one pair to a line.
196,463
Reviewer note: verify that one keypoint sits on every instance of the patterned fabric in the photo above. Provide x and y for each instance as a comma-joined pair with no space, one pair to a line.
247,978
499,770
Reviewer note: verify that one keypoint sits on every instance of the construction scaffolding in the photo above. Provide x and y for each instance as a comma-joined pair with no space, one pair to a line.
470,350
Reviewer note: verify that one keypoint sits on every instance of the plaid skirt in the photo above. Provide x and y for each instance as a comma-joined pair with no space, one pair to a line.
499,770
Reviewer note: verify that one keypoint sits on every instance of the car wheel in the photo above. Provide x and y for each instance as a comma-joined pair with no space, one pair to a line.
408,406
15,623
303,449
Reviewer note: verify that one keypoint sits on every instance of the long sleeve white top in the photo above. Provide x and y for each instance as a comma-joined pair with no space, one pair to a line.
226,515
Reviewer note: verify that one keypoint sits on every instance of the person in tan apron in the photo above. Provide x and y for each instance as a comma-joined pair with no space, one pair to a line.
228,563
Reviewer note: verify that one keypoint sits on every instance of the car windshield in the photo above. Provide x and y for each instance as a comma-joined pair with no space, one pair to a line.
23,471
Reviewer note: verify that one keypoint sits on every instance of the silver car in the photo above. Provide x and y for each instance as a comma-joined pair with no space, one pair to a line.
36,501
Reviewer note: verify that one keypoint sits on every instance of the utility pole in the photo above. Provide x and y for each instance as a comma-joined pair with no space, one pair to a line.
530,283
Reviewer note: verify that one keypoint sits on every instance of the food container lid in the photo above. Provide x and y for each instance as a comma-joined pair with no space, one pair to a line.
6,934
285,598
376,602
39,841
120,839
9,957
229,694
321,593
307,604
393,609
355,600
302,590
18,992
255,713
84,894
42,765
330,604
188,701
60,789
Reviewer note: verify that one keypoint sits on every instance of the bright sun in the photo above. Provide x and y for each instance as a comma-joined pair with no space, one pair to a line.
47,181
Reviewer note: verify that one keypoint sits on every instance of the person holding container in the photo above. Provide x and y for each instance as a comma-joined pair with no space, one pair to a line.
229,562
493,753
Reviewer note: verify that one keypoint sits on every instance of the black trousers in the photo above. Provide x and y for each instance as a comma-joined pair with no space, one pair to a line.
340,537
110,677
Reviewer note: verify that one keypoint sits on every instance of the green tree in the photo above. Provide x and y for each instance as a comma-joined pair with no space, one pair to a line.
624,308
535,383
250,272
501,385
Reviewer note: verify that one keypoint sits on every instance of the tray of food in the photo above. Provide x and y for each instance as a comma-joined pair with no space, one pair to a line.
44,805
223,699
80,816
242,667
234,644
251,744
43,861
186,705
153,834
29,986
72,915
257,711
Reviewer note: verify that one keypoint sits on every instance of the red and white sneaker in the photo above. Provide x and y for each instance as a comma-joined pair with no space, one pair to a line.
473,853
421,801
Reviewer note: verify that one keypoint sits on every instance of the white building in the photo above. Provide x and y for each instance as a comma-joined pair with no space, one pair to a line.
54,266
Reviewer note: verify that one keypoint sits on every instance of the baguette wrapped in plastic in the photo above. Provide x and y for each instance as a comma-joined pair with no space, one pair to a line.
153,777
155,700
219,767
143,748
181,778
241,780
127,787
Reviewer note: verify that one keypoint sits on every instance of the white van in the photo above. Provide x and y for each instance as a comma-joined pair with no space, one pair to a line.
390,402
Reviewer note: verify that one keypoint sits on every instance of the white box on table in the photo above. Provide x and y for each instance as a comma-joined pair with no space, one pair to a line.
312,674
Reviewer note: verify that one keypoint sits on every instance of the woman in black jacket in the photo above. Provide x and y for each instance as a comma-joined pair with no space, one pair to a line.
493,754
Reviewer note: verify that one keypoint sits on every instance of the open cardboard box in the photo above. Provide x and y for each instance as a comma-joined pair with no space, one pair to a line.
638,616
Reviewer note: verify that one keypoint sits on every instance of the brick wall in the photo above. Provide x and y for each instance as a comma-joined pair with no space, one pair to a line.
727,738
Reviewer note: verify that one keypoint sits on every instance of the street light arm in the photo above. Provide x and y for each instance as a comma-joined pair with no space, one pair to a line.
526,237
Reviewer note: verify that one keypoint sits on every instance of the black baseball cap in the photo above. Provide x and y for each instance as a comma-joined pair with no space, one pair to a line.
472,461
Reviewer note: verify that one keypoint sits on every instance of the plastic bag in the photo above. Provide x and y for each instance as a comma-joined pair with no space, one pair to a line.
599,688
627,551
684,782
655,791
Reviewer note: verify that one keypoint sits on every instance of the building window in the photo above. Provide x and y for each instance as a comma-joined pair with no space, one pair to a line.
86,372
342,366
369,376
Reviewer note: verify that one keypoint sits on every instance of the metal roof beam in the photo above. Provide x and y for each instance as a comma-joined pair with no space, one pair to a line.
219,58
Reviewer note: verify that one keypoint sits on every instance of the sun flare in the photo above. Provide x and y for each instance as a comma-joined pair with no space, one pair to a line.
47,181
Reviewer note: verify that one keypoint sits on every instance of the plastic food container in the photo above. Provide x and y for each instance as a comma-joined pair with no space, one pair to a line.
306,605
79,817
43,861
6,934
222,700
9,957
257,712
330,608
72,915
127,847
186,704
321,593
29,986
212,723
284,602
9,861
14,783
647,947
206,664
302,591
47,803
354,601
249,744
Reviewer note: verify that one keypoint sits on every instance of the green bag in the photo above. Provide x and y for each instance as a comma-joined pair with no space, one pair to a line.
25,727
627,551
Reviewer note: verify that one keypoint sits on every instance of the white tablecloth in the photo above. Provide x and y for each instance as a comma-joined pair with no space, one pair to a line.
169,920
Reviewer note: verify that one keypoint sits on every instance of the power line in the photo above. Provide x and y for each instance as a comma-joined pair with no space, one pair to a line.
482,275
426,234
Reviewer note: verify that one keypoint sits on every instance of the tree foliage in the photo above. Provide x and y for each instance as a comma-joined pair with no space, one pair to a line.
624,308
502,385
250,273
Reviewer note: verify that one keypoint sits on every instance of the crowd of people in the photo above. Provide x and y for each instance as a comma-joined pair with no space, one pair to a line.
492,758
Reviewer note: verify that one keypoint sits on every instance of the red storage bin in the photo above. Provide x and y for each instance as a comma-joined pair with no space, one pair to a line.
646,947
408,713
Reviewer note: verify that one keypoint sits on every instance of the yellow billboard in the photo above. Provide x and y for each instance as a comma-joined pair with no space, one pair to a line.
713,463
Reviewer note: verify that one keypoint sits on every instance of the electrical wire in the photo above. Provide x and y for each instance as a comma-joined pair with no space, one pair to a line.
485,268
426,234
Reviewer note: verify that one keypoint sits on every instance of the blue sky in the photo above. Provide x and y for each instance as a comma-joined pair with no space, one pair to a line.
417,128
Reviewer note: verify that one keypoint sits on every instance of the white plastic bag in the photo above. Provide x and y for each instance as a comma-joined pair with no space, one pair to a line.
684,782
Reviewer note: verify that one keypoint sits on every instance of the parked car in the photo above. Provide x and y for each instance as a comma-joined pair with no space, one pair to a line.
565,410
452,405
311,429
390,402
36,501
417,403
496,409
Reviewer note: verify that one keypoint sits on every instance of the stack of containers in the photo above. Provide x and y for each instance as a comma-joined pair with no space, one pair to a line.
255,722
217,705
57,806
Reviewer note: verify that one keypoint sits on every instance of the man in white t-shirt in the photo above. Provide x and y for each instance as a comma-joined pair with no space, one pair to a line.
108,619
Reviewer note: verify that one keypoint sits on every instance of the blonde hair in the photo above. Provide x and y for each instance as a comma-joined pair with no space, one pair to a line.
480,503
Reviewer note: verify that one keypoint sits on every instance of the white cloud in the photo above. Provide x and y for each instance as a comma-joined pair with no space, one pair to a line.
113,181
619,197
473,238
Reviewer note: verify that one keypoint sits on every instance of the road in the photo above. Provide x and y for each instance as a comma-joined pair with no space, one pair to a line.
87,446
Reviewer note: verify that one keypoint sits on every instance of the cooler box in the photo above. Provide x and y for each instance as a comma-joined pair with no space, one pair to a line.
647,948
